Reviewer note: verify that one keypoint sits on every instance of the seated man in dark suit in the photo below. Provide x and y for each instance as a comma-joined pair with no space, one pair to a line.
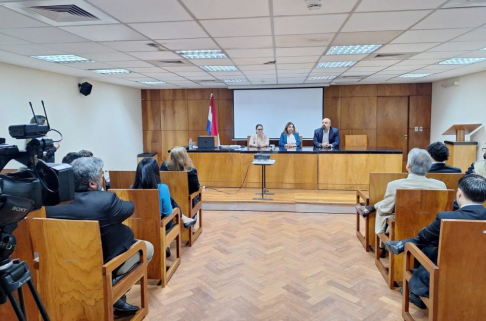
91,203
440,153
326,136
471,194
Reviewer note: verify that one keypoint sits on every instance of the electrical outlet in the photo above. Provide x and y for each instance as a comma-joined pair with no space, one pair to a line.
416,128
421,129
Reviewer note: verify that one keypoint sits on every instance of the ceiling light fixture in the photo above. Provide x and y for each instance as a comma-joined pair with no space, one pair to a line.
336,64
352,50
63,59
414,75
484,48
110,71
234,80
219,68
202,54
152,82
322,78
461,61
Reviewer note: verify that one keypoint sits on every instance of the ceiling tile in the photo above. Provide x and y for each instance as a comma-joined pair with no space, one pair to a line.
475,35
418,62
90,65
294,8
440,67
296,52
402,68
396,5
108,56
378,63
145,70
415,36
257,67
129,45
252,61
308,24
182,68
297,60
143,10
212,62
454,18
245,42
331,71
464,45
189,44
249,53
311,40
113,32
7,40
380,21
31,50
407,47
200,73
367,69
364,38
170,30
438,55
216,9
475,54
294,71
156,55
352,72
343,58
295,66
297,80
132,64
259,72
238,27
43,35
12,19
81,47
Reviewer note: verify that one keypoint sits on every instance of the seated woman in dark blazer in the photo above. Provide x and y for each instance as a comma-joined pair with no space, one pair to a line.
289,137
179,161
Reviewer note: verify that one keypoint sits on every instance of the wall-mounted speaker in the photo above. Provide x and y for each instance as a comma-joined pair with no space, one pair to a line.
85,88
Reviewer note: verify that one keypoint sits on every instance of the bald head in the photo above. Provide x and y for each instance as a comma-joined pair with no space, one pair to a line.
326,123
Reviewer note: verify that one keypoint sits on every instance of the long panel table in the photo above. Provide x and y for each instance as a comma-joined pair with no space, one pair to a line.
299,168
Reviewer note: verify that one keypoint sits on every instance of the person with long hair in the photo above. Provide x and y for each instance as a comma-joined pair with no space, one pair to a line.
148,177
289,137
179,161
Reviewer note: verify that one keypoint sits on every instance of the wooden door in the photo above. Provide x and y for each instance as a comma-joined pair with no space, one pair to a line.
392,123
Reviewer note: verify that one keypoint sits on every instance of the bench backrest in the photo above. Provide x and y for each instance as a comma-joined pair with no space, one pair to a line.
122,179
178,184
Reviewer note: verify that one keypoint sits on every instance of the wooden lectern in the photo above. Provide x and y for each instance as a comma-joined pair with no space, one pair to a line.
147,155
462,153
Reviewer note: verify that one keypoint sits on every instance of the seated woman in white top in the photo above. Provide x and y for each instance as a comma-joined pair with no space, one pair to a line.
259,139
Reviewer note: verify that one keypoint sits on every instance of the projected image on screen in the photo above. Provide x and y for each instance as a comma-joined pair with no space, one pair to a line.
273,108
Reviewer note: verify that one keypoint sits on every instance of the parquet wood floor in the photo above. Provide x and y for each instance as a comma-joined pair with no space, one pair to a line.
275,266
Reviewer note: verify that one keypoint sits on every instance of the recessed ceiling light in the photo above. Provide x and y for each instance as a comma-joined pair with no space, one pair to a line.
111,71
336,64
152,82
219,68
322,78
202,54
234,80
63,59
414,75
461,61
352,50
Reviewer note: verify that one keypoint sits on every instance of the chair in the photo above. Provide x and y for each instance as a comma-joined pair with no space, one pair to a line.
179,190
122,179
248,141
356,140
377,189
414,210
458,280
147,224
74,284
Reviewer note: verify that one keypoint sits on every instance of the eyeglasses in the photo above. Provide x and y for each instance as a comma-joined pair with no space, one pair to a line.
259,128
484,149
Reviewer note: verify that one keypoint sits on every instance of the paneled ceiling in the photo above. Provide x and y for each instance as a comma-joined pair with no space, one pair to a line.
143,36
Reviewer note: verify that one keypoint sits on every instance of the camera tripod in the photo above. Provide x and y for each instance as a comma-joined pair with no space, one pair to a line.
13,275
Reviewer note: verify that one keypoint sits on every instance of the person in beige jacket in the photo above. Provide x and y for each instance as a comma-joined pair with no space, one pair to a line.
418,164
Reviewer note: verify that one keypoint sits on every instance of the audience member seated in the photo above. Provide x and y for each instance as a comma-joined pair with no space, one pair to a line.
148,177
91,203
72,156
477,166
471,194
48,156
180,161
440,153
86,153
259,139
289,137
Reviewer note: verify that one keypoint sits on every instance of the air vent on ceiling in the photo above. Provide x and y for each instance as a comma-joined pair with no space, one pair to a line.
387,55
64,13
156,45
171,62
270,62
207,80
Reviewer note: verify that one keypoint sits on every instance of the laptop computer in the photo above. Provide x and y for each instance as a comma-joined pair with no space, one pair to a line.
205,142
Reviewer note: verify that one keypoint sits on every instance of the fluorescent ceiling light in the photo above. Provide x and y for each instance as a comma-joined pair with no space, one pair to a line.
484,48
414,75
202,54
461,61
235,80
336,64
322,78
219,68
352,50
111,71
63,59
152,82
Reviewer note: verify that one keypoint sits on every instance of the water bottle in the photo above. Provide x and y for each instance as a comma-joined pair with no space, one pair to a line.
190,143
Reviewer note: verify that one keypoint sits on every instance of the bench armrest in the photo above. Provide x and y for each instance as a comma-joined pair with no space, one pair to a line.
120,259
167,219
412,250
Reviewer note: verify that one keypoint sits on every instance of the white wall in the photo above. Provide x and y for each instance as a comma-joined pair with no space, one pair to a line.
463,104
108,122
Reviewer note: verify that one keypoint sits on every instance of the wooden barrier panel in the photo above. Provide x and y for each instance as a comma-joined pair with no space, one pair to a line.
218,169
122,179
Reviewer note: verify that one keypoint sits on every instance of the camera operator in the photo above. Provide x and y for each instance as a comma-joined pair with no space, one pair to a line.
48,154
91,203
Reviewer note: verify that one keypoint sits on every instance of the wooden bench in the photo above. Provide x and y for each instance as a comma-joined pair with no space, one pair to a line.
414,210
458,280
122,179
147,225
378,184
74,284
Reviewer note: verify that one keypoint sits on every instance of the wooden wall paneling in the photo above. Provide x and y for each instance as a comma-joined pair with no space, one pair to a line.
332,92
359,91
393,90
418,139
151,94
225,114
150,115
173,138
174,115
332,110
225,94
173,94
194,134
419,111
420,89
371,133
152,143
202,94
225,137
198,114
358,113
